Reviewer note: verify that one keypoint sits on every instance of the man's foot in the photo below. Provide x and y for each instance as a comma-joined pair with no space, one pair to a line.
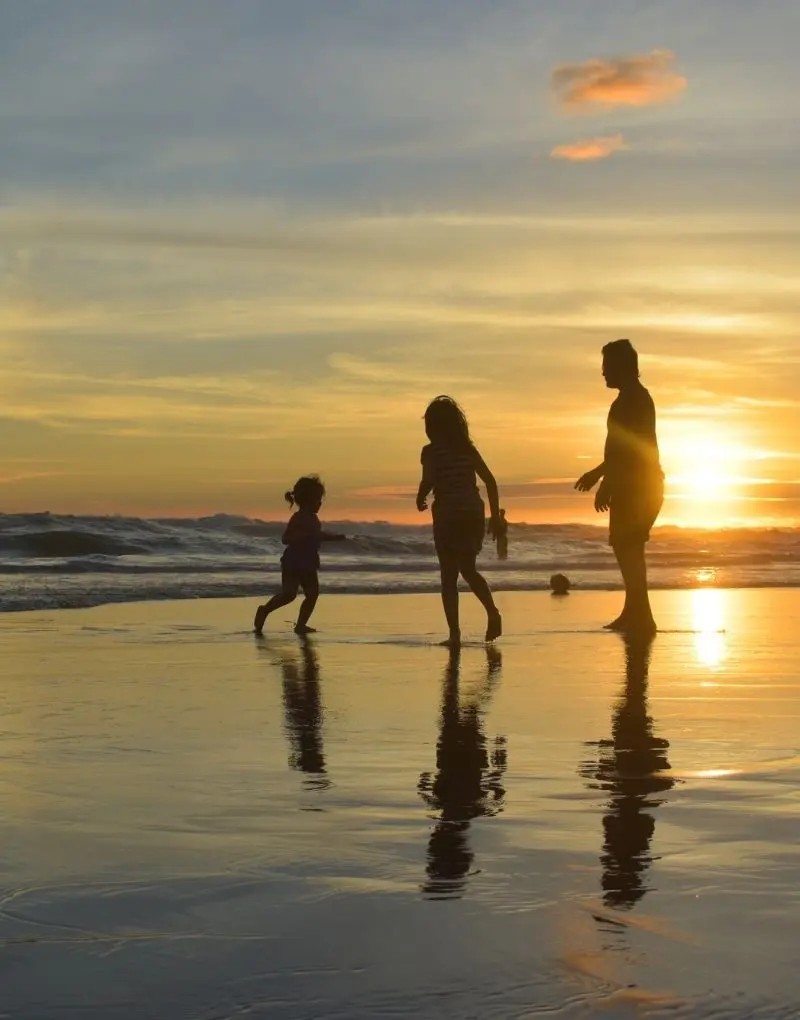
494,626
618,624
303,628
640,626
260,617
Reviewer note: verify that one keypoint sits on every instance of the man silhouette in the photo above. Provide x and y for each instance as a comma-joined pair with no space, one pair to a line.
632,487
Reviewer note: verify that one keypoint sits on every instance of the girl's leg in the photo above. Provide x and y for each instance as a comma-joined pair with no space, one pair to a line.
311,593
287,594
448,569
478,585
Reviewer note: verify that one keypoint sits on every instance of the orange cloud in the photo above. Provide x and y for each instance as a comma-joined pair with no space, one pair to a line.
589,149
644,79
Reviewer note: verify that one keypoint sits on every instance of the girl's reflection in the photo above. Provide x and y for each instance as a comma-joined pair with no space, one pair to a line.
468,779
303,714
631,767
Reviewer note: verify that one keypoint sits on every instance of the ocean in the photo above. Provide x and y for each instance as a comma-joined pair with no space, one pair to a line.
52,561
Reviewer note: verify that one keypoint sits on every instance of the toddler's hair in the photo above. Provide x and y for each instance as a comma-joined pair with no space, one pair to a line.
445,422
308,489
559,584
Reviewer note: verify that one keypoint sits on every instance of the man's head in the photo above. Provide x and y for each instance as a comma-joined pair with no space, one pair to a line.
620,363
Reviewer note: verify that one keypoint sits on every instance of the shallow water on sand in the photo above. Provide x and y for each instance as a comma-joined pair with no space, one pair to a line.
201,824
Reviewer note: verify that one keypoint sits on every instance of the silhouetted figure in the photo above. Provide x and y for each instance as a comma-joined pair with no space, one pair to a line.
468,779
632,486
501,535
559,585
303,714
450,463
300,561
630,767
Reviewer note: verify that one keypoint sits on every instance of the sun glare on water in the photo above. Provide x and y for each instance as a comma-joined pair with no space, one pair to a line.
708,619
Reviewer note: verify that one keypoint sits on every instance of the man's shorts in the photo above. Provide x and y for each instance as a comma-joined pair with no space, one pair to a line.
634,513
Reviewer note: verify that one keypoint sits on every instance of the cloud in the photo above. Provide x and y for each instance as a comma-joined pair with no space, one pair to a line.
402,492
27,476
589,149
645,79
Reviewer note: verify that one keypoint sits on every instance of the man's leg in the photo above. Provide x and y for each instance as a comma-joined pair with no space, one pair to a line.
636,614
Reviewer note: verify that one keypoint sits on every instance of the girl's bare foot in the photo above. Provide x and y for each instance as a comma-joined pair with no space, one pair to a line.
303,628
454,641
618,624
494,626
260,617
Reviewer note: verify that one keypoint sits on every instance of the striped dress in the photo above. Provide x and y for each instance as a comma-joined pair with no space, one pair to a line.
452,473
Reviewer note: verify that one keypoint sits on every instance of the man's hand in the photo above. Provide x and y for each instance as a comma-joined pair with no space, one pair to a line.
588,481
602,499
493,526
422,503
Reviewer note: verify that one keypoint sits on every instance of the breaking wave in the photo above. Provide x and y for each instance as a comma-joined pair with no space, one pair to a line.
50,561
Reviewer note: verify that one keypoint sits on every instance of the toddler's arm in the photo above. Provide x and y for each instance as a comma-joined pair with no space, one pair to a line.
301,526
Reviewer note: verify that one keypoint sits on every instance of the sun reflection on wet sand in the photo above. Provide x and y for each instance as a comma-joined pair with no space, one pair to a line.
708,623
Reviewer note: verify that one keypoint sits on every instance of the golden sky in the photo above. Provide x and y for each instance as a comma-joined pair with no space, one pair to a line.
236,249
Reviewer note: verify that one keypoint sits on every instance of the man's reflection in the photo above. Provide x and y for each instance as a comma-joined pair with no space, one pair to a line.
631,767
468,779
303,714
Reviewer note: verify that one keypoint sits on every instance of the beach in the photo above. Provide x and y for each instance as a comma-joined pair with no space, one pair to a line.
199,823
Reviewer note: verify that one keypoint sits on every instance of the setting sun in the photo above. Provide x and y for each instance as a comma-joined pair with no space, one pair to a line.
704,469
709,476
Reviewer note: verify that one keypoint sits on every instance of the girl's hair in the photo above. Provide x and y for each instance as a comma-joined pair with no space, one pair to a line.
308,489
446,423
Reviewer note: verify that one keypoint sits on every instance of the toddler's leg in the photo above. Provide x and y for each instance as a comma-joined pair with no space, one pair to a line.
287,594
311,593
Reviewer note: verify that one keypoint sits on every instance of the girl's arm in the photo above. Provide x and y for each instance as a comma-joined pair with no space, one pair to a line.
426,484
488,479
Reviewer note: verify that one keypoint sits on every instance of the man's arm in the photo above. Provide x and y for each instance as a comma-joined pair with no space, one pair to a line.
587,481
602,498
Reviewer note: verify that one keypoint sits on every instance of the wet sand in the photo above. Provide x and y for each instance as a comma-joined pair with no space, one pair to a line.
197,823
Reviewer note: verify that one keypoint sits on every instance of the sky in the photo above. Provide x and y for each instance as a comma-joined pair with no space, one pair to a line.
241,242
